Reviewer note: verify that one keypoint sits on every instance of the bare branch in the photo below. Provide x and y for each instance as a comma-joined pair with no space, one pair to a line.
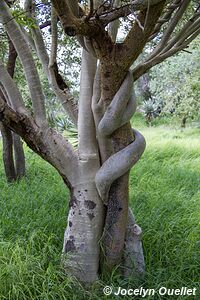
114,26
45,24
139,37
91,10
188,29
73,4
56,81
86,128
165,17
125,10
54,38
65,13
11,89
170,28
180,41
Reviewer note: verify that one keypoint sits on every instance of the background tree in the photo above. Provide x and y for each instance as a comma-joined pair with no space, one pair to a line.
97,173
178,88
13,153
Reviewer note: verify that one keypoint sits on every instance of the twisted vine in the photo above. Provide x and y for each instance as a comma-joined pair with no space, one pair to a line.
118,113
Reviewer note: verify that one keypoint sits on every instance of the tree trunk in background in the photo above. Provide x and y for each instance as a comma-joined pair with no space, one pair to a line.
144,87
183,122
13,154
8,160
19,156
13,170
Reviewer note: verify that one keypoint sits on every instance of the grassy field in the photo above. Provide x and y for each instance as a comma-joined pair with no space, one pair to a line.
165,197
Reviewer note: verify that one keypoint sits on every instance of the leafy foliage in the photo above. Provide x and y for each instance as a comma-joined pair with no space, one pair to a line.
176,82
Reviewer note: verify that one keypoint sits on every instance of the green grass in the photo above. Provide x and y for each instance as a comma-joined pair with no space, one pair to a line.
165,197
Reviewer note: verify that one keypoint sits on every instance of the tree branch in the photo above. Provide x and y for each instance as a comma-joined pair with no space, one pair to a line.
64,11
12,91
165,17
86,128
54,38
192,25
125,10
27,61
56,81
170,28
137,37
47,142
181,40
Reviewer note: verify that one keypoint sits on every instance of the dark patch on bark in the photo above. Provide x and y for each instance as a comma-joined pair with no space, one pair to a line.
82,247
70,224
106,88
115,223
107,74
86,190
70,30
60,81
2,114
91,216
69,247
73,201
90,204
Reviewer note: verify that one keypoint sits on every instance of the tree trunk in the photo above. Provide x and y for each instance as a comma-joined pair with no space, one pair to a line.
143,84
117,209
82,237
8,160
133,260
19,156
183,122
13,170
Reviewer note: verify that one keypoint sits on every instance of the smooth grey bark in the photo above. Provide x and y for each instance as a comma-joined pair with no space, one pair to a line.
81,249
